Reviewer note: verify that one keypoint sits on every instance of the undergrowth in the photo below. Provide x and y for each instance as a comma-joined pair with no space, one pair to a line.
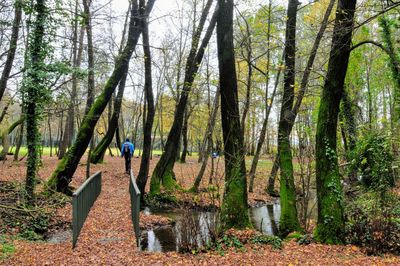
25,221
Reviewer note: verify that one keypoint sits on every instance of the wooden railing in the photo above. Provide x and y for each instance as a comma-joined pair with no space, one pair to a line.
135,206
82,200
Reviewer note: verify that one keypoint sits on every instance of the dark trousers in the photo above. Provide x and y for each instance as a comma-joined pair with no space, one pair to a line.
127,163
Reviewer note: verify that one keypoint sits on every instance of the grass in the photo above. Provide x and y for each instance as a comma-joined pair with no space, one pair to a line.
264,164
6,249
46,151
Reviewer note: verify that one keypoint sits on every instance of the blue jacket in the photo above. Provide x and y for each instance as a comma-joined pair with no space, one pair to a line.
131,148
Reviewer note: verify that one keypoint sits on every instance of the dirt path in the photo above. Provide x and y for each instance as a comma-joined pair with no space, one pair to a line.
107,229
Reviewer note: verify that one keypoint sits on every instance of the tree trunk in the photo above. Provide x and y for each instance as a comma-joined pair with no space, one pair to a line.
13,47
234,211
5,138
185,137
34,90
249,58
76,58
50,135
19,141
62,176
208,138
268,106
303,87
330,224
89,36
145,161
97,155
288,220
163,172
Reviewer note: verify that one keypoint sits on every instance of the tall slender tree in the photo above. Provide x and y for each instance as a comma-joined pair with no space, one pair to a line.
34,90
77,48
90,54
163,172
234,205
288,221
330,224
12,49
145,162
303,87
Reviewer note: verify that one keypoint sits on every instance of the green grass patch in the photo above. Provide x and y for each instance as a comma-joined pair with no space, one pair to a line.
6,248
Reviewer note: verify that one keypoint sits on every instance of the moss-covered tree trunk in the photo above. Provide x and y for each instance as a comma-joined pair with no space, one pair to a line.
145,161
303,87
330,224
34,89
62,176
4,137
97,154
163,172
234,211
288,221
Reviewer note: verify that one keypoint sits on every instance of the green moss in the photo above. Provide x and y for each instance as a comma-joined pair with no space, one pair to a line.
169,181
288,221
234,211
53,181
166,179
294,235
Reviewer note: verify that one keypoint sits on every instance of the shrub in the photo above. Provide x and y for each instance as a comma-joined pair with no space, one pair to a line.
373,159
274,241
373,222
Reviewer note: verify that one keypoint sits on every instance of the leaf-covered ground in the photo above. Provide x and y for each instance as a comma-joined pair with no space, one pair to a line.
107,237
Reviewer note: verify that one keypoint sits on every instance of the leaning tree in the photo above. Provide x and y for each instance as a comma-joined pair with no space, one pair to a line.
62,176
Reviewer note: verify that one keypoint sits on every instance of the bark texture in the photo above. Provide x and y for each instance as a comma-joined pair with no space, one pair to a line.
288,221
145,161
234,211
12,49
330,224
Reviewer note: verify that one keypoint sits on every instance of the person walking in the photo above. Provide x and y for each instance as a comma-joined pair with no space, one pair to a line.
127,152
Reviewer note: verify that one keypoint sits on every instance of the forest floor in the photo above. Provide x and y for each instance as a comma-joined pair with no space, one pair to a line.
107,237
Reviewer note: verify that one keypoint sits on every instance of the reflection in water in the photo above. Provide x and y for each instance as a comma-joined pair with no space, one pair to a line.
160,239
265,219
193,229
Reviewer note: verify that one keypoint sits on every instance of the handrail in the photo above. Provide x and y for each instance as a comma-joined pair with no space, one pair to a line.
82,201
135,205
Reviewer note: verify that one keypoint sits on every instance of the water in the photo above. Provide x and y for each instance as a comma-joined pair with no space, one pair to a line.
266,218
191,229
194,229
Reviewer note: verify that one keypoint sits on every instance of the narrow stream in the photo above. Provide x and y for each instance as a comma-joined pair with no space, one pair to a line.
195,228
